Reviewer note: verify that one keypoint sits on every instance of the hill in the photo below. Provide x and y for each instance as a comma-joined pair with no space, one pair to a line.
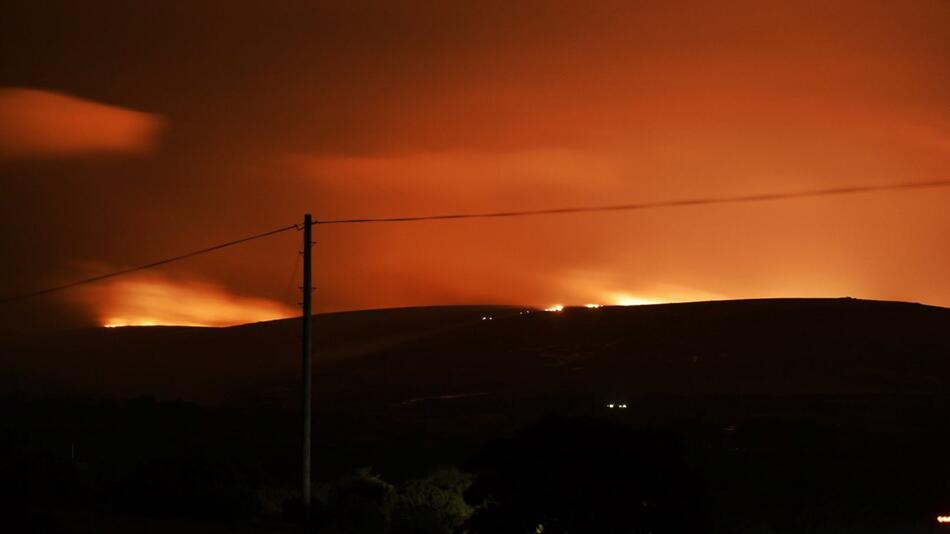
780,407
755,347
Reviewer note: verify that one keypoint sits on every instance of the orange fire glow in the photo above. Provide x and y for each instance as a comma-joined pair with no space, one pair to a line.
159,302
622,299
488,107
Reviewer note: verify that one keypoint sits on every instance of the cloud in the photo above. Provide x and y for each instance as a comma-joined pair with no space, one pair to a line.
36,123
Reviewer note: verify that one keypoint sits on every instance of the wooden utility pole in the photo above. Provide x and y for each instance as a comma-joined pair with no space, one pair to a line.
307,343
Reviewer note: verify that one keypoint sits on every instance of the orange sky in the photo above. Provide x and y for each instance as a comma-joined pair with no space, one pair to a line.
153,131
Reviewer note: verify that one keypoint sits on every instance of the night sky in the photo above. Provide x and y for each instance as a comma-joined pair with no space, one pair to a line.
131,131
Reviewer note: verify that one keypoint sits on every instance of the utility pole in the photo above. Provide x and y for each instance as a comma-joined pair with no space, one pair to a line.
307,344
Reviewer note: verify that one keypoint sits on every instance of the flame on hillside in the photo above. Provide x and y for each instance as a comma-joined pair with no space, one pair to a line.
161,302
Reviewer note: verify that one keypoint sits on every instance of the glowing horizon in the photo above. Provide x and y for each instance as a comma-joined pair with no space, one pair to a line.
155,301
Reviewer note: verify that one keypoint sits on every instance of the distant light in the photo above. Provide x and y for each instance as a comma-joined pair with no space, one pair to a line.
610,405
943,518
555,308
592,306
623,405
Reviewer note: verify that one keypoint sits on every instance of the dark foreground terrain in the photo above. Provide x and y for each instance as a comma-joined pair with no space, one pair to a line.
738,416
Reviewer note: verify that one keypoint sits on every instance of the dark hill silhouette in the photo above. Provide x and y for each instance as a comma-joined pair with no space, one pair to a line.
772,347
781,406
424,375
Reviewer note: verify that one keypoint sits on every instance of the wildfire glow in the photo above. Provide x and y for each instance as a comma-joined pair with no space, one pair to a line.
118,322
593,306
943,518
160,302
623,299
555,308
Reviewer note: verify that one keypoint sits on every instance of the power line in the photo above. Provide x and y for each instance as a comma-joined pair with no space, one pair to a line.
149,265
650,205
501,214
